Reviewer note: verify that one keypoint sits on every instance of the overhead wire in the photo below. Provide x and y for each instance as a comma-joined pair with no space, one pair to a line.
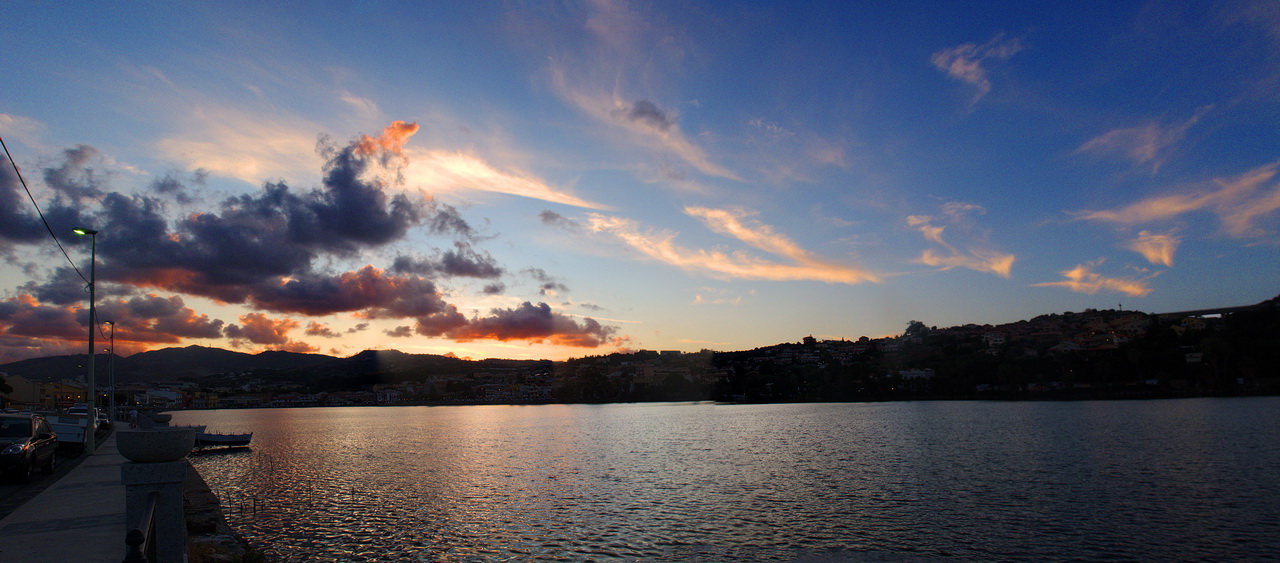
23,181
40,213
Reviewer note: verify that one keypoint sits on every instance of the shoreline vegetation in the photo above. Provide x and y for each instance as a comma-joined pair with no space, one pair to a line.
1095,354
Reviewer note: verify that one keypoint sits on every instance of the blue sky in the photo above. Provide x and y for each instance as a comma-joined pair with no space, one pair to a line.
553,180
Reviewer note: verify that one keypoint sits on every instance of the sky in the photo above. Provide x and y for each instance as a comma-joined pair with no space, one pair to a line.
548,180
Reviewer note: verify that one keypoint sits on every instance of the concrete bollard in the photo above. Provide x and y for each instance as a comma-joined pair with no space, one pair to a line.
166,478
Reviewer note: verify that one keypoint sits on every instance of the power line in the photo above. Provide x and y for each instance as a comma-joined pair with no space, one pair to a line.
40,213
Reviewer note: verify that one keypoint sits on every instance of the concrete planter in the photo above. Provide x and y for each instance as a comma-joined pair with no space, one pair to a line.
155,444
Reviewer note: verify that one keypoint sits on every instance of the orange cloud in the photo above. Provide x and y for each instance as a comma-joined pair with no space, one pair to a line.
1157,249
1240,203
1082,279
977,257
260,329
661,246
392,140
438,170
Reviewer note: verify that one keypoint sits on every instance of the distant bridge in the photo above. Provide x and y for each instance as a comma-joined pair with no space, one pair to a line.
1219,311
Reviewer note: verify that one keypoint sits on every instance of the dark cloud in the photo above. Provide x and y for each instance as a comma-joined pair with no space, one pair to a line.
75,178
536,323
19,221
26,317
403,331
466,262
260,249
462,261
445,220
152,319
367,289
557,220
648,113
254,240
172,186
64,287
31,328
439,324
547,283
319,329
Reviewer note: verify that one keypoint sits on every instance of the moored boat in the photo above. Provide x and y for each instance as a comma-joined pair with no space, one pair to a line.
205,440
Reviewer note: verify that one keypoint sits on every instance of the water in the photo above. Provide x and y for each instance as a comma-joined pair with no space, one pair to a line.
1153,480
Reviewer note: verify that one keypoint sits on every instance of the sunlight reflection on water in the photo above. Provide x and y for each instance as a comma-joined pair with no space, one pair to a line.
977,480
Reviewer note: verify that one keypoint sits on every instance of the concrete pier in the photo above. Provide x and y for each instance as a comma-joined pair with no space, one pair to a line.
79,518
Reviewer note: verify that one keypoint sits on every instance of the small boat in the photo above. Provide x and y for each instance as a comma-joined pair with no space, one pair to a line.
206,440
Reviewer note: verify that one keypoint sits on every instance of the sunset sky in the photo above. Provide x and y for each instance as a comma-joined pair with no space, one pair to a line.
562,179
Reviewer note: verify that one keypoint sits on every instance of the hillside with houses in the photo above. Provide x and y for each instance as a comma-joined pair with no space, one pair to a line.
1090,354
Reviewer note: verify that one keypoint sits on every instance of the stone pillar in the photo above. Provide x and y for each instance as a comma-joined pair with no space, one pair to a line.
166,477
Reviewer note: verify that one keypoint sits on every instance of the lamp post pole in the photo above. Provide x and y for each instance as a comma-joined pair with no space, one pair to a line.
111,385
91,387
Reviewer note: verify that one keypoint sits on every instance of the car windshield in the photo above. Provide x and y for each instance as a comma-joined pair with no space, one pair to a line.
15,428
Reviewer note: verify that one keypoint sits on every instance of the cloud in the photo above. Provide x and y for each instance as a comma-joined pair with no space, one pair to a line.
536,323
439,170
360,327
76,178
647,114
1156,248
31,327
364,106
402,331
273,333
977,254
255,240
462,261
661,246
78,186
367,290
1242,204
19,127
643,120
247,146
965,62
713,296
1145,144
1082,279
547,284
320,329
267,249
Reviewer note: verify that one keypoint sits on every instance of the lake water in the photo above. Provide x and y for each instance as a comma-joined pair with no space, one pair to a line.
1091,480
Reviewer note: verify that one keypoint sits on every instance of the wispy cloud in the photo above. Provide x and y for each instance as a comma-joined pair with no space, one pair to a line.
713,296
1156,248
1241,203
965,62
1082,279
978,255
1145,144
248,146
799,264
442,170
646,123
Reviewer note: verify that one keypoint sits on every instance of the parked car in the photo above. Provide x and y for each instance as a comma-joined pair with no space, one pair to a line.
26,444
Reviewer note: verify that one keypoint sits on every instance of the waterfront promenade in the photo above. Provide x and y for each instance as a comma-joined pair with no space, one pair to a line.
80,518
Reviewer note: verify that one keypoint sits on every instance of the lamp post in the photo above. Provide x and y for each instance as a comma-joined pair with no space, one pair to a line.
111,385
90,440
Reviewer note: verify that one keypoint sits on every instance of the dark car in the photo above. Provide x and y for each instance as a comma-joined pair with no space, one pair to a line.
26,443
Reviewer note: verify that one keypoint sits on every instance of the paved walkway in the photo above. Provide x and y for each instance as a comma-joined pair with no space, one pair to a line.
78,519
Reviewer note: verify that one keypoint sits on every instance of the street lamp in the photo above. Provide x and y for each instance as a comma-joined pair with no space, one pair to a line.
111,399
91,441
